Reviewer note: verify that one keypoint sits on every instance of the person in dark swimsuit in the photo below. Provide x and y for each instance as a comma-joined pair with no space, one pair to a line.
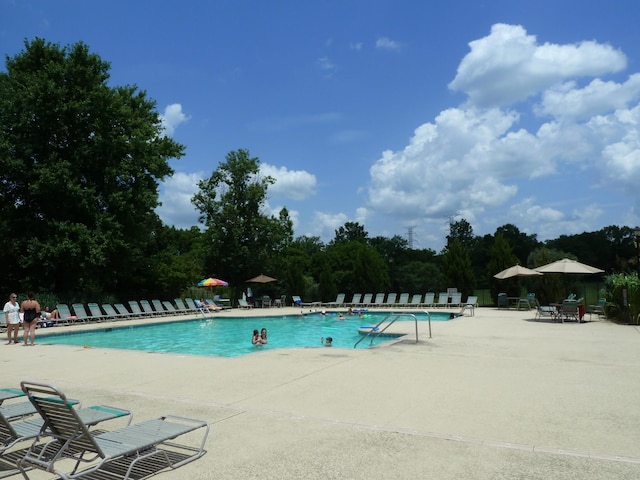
31,309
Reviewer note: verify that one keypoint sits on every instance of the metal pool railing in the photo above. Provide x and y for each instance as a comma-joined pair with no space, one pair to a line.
375,331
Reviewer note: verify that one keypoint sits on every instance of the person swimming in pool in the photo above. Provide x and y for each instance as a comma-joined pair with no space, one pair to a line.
256,340
328,341
263,336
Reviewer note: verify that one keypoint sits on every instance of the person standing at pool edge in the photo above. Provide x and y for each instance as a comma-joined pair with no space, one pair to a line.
12,318
31,309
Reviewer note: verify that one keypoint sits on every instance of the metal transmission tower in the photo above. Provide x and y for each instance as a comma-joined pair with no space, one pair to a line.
410,238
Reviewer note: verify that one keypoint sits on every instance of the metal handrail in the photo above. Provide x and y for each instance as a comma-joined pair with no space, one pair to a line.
374,330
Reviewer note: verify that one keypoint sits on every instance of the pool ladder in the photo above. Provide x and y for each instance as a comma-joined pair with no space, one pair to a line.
375,332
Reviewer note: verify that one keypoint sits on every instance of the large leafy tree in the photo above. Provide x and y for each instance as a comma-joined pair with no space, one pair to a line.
240,238
80,162
457,268
501,257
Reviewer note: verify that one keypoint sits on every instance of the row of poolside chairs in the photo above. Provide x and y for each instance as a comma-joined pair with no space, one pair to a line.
79,313
444,300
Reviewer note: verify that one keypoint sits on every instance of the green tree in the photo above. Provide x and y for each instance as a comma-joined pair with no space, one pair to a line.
501,257
461,230
351,231
457,268
326,285
80,163
370,273
521,243
240,238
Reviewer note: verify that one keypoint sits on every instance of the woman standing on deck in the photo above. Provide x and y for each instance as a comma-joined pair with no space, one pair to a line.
31,309
12,318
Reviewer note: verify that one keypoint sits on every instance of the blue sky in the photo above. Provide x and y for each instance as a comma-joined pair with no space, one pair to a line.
394,114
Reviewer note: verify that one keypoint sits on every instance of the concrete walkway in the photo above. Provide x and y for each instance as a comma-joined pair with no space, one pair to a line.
493,396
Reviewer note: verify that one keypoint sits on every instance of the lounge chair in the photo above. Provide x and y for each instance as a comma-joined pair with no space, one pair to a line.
416,300
355,300
96,313
429,299
443,300
148,446
338,302
20,422
111,311
545,311
136,311
391,300
299,303
225,303
65,314
379,300
195,305
456,300
157,305
81,312
182,308
122,310
403,300
366,300
146,308
191,305
472,303
169,308
242,303
597,309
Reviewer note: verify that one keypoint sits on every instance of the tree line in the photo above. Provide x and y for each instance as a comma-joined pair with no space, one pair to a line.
80,166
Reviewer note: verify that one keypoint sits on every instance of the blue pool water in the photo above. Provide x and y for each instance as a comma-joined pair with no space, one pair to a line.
230,337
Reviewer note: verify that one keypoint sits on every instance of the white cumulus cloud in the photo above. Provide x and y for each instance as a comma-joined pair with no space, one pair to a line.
509,65
175,195
293,184
172,117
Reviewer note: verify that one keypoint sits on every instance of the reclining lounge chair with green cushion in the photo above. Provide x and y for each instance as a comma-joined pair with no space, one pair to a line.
146,308
96,313
182,308
135,451
158,307
65,314
111,312
81,312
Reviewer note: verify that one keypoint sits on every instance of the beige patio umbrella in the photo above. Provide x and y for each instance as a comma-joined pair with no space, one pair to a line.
262,279
516,271
566,265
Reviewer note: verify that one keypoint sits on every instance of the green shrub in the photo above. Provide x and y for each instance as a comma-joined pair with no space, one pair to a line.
614,288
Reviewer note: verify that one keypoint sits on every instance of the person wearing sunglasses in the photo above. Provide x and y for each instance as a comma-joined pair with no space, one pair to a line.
12,318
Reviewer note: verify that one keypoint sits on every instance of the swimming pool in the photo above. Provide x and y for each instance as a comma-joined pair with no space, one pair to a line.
229,337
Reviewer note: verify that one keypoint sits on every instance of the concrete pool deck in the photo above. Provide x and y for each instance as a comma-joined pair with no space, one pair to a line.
493,396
